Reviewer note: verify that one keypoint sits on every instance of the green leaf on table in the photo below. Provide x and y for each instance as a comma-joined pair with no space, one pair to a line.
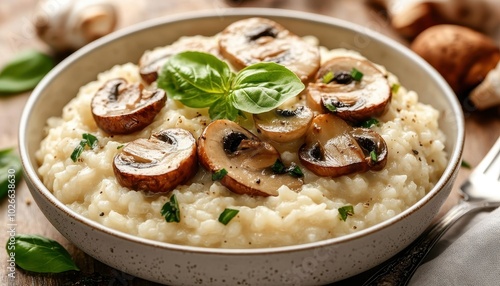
10,171
24,72
40,254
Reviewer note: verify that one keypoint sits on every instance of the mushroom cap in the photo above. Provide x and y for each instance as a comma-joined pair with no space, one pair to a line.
226,145
461,55
122,108
332,148
284,125
254,40
158,164
354,100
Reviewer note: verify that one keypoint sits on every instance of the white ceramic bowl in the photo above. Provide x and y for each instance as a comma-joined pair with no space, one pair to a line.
313,263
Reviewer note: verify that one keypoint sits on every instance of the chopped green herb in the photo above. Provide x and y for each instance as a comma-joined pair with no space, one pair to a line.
331,107
91,140
373,156
171,211
466,164
345,211
227,215
201,80
278,167
78,150
87,140
39,254
328,77
369,123
219,174
120,146
294,170
395,88
356,74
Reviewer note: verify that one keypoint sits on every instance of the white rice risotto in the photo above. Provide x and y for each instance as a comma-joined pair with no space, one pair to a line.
415,162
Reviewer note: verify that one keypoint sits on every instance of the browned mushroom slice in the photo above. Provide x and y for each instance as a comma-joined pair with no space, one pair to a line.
333,148
336,90
158,164
225,145
122,108
152,61
256,40
284,125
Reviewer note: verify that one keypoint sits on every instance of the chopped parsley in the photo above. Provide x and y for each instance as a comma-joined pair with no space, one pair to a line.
171,211
373,156
218,175
328,77
331,107
227,215
120,146
294,170
369,123
395,87
356,74
87,140
345,211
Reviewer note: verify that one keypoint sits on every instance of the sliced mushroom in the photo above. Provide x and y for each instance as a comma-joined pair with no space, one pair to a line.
152,61
333,148
122,108
257,39
350,99
158,164
284,125
248,160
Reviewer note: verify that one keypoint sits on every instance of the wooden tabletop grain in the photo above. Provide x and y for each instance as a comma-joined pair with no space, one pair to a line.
16,34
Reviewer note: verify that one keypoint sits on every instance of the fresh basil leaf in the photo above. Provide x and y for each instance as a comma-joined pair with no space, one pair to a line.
196,79
39,254
10,171
262,87
24,72
227,215
171,211
223,108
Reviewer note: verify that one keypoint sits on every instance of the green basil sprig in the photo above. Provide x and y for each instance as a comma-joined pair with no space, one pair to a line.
24,72
10,171
39,254
201,80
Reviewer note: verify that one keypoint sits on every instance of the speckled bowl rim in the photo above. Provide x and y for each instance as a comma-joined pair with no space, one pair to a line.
454,157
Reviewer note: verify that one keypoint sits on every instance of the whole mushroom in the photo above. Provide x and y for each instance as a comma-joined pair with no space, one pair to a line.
158,164
461,55
225,145
67,25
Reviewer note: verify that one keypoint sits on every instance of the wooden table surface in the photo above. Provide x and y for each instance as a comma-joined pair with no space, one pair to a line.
16,34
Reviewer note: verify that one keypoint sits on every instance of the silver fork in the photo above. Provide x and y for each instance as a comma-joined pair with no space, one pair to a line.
480,192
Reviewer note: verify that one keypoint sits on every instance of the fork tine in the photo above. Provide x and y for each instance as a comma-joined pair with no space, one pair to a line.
491,164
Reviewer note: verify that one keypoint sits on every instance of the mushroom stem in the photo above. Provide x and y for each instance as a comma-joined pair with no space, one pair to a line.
487,94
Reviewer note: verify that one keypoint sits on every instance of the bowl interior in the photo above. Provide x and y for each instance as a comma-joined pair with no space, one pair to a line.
127,45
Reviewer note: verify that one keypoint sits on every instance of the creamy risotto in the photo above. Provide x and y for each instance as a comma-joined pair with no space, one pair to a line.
416,159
